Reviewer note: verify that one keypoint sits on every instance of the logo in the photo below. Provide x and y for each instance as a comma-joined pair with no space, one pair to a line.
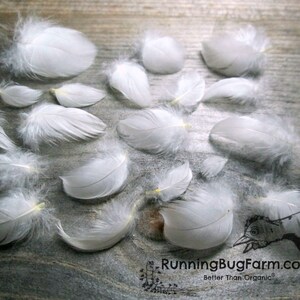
260,232
151,282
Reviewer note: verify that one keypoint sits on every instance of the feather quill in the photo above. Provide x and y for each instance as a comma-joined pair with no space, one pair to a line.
264,139
157,131
131,80
101,177
237,90
212,166
161,54
113,223
189,93
45,49
236,53
19,95
50,123
174,183
20,215
77,95
203,220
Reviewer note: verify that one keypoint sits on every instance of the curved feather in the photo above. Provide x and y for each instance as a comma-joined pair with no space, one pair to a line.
237,90
48,50
189,93
77,95
112,225
50,123
202,221
174,183
131,80
18,95
264,139
162,54
5,142
99,178
212,166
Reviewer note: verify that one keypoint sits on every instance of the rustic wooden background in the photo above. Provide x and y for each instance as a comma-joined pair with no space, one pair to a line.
48,269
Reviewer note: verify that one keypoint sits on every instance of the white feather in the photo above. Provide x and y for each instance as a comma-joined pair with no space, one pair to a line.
43,48
189,93
5,142
174,183
112,224
20,168
212,166
101,177
156,130
77,95
237,90
236,53
263,139
131,80
202,221
50,123
19,95
20,213
162,54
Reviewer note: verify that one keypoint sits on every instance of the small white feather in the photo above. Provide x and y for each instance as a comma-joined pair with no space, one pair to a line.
237,90
189,93
20,214
161,54
43,48
113,223
203,220
5,142
212,166
174,183
236,53
263,139
77,95
20,168
101,177
50,123
131,80
19,95
156,131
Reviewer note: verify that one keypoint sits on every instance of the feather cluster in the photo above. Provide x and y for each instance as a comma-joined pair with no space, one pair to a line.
157,131
77,95
45,49
236,53
101,177
203,220
212,166
161,54
50,124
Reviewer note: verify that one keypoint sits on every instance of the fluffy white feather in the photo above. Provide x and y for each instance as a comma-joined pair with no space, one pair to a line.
50,123
263,139
237,90
203,220
161,54
43,48
5,142
189,93
20,168
77,95
174,183
113,223
236,53
156,130
101,177
19,95
131,80
212,166
20,214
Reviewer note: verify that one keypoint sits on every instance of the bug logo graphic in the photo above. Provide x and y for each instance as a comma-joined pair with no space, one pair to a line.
151,282
260,232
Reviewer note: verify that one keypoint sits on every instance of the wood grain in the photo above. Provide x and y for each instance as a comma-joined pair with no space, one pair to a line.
48,269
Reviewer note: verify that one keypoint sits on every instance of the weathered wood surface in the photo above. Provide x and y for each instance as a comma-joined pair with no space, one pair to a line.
47,269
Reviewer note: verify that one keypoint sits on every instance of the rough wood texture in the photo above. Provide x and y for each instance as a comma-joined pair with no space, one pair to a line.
47,269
